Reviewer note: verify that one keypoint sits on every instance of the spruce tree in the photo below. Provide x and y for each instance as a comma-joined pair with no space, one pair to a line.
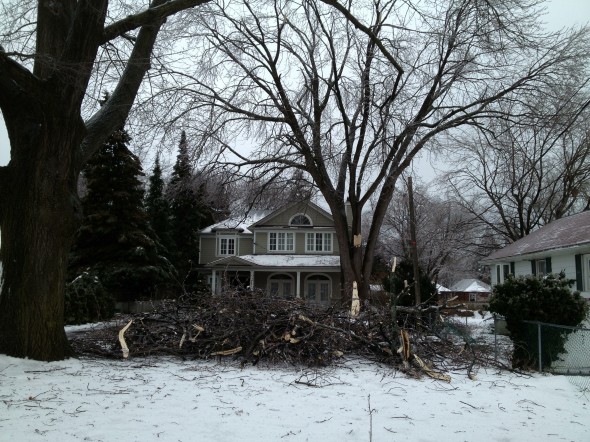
158,209
189,212
115,242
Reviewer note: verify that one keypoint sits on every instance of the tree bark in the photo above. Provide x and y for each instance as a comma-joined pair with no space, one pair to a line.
38,220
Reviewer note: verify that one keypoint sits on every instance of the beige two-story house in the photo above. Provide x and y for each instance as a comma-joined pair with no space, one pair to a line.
291,253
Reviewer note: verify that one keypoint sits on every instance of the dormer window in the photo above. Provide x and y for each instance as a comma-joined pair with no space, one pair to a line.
300,220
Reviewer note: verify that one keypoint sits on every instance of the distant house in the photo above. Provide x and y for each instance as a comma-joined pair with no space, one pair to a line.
290,253
470,290
562,245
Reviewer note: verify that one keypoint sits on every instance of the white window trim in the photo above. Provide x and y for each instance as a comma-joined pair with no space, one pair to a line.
331,242
232,237
301,225
277,249
502,277
541,262
586,272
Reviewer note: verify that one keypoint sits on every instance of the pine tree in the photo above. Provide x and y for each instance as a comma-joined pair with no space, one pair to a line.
158,209
115,242
189,212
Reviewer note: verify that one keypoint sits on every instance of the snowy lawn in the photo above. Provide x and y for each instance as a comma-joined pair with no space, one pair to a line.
171,400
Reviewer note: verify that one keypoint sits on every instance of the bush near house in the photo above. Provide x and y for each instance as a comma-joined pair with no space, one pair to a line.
545,299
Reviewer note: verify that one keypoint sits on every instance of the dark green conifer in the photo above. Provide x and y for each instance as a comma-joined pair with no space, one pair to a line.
189,212
158,209
115,243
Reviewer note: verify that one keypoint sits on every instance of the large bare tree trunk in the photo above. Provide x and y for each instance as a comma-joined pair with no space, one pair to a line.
38,221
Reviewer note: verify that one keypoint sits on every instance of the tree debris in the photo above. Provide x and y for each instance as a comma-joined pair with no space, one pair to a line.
252,327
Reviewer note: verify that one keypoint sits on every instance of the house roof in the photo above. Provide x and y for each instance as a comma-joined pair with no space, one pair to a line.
272,214
563,233
277,261
471,286
240,223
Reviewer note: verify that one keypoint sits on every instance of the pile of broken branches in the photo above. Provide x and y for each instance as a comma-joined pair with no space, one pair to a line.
252,327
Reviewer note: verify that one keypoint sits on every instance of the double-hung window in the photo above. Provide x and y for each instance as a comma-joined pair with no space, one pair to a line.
318,242
281,242
226,245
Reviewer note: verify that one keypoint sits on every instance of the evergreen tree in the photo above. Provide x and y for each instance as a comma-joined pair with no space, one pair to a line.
115,243
158,209
401,284
189,212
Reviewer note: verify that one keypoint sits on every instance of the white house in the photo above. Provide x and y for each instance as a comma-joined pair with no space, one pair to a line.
562,245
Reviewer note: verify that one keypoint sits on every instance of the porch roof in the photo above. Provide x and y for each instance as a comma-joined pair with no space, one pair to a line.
279,261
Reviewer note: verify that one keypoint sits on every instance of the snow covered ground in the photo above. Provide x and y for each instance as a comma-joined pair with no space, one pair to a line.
171,400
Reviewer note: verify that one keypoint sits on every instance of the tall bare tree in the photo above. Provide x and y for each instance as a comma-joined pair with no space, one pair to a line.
350,92
47,64
449,239
516,174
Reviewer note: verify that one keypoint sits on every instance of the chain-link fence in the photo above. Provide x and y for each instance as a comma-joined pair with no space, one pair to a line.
559,349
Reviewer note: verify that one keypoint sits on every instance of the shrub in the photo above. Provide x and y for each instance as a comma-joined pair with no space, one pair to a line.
86,300
396,284
545,299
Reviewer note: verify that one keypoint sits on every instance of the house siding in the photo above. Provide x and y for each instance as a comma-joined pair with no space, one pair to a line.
282,219
563,261
246,245
522,268
208,249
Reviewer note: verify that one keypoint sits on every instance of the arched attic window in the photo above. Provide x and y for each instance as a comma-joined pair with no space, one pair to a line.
300,220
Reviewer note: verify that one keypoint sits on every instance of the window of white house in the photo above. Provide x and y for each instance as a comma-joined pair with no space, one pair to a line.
318,242
300,220
318,289
281,242
502,272
541,267
227,245
586,282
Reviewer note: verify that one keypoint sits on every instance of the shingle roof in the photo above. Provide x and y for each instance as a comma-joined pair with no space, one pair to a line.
566,232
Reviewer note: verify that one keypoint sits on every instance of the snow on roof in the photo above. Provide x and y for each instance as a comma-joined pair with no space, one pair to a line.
240,223
442,288
566,232
471,286
284,260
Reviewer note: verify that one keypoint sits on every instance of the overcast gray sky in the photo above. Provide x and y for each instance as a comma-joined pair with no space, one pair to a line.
560,13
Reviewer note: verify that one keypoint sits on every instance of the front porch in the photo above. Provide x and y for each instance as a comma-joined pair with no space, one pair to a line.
319,284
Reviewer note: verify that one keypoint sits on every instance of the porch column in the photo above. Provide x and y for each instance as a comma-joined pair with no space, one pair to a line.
252,280
213,281
298,292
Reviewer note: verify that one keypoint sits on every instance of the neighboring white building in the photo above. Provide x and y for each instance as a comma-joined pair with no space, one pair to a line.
560,246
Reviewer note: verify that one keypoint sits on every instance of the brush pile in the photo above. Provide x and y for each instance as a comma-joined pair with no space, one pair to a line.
253,327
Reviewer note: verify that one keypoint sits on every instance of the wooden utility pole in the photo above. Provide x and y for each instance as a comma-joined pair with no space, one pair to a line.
413,245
